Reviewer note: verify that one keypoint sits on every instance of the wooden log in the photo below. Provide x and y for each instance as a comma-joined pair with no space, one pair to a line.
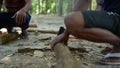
43,31
64,57
5,38
33,25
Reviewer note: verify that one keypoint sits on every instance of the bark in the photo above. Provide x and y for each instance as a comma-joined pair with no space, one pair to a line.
60,8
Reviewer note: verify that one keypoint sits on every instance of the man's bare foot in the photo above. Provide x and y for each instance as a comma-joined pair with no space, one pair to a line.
106,50
24,34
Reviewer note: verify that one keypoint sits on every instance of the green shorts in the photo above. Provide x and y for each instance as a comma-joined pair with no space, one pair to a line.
102,19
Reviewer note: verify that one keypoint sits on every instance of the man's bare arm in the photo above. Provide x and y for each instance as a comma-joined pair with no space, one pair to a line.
81,5
27,6
21,14
99,7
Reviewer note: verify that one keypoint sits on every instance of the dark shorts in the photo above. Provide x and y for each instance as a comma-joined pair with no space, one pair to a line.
6,19
102,19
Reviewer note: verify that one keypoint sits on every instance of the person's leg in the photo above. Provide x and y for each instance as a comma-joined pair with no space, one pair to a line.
24,27
6,20
10,27
75,24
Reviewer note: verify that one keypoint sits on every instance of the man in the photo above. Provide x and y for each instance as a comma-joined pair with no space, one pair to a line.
16,15
96,26
82,5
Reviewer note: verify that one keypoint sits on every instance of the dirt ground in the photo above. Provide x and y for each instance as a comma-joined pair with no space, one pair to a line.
35,52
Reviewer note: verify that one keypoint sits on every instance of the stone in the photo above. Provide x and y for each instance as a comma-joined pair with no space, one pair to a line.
38,54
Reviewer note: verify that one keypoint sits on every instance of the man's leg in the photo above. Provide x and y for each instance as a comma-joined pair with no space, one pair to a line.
6,21
76,26
81,5
24,27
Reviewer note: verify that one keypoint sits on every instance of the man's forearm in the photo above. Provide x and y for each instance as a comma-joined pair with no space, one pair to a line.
27,6
99,8
81,5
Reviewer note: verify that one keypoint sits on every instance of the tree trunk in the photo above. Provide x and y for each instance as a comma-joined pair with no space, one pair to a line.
38,6
60,8
46,7
69,7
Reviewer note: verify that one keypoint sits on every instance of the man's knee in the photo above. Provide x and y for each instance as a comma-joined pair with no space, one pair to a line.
74,20
25,25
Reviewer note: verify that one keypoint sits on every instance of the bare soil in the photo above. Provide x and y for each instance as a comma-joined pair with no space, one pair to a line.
36,52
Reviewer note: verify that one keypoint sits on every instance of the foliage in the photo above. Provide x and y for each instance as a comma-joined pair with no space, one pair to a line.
59,7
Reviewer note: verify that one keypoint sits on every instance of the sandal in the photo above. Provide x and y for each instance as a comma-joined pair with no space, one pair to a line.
111,59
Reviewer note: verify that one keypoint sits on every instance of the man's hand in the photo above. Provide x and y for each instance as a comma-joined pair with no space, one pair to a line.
20,17
63,38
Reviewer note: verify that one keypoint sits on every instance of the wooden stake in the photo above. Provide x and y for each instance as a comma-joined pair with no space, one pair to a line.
64,57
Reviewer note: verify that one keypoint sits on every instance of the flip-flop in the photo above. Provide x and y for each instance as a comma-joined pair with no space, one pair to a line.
111,55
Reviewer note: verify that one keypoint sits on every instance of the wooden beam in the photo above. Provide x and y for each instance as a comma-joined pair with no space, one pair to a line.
32,25
42,31
64,57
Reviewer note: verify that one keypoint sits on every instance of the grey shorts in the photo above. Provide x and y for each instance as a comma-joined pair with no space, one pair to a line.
102,19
